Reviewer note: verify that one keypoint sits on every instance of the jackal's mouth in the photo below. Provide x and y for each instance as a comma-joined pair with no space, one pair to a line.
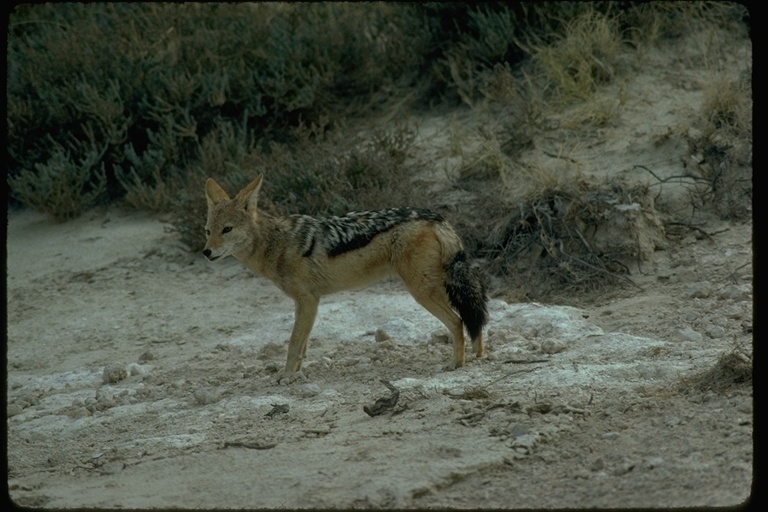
209,254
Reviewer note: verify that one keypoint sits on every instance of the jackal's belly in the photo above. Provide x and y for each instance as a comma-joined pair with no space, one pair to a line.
349,272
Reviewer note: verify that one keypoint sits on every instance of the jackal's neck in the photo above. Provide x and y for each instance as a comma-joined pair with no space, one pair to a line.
264,231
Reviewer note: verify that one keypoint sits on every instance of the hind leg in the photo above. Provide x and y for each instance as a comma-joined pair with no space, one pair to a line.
435,301
417,260
477,345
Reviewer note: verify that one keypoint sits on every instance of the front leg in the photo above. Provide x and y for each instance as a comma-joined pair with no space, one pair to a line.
306,310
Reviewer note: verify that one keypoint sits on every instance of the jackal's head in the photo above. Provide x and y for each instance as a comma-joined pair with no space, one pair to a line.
231,222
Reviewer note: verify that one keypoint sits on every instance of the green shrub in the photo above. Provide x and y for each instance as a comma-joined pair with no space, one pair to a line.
62,187
161,95
148,82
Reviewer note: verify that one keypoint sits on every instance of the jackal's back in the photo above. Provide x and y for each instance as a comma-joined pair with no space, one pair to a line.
355,230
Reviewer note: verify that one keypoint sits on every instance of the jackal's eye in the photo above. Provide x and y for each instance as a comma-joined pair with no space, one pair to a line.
226,230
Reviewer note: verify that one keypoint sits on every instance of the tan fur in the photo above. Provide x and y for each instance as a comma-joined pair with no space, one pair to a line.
418,251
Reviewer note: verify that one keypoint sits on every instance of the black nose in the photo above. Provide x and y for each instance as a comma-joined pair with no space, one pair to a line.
207,253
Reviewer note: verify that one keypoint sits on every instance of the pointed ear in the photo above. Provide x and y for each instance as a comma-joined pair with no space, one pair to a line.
249,195
214,193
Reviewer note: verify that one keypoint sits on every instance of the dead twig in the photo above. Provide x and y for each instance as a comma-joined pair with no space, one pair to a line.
691,226
599,270
250,446
524,361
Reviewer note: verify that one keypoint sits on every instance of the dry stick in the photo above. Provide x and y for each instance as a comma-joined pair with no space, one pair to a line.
690,226
526,370
732,274
251,446
598,269
662,181
561,157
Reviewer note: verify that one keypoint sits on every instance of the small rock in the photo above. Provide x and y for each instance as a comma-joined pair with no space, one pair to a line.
552,346
205,396
28,398
715,332
78,412
610,436
146,356
700,290
518,430
439,337
525,443
309,390
582,474
733,292
380,335
113,373
13,410
529,332
653,462
104,400
623,468
597,465
112,467
689,334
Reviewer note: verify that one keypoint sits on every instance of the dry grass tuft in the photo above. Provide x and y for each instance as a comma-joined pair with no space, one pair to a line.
731,369
583,58
564,230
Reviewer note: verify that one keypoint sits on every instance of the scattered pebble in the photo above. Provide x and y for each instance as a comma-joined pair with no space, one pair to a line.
653,462
112,467
734,292
624,467
518,430
688,334
309,390
205,396
13,410
439,337
113,373
552,346
700,290
715,332
78,412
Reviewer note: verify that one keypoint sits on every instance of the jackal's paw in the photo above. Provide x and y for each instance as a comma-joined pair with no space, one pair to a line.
452,367
284,377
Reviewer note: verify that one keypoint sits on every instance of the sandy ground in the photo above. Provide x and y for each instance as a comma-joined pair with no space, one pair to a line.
142,376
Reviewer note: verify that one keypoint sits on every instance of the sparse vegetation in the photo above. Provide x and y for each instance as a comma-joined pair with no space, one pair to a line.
138,103
733,368
569,232
583,58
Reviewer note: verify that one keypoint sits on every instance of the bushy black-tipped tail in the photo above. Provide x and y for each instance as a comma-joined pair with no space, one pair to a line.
466,291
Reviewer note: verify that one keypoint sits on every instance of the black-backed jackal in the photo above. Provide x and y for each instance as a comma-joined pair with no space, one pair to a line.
308,257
